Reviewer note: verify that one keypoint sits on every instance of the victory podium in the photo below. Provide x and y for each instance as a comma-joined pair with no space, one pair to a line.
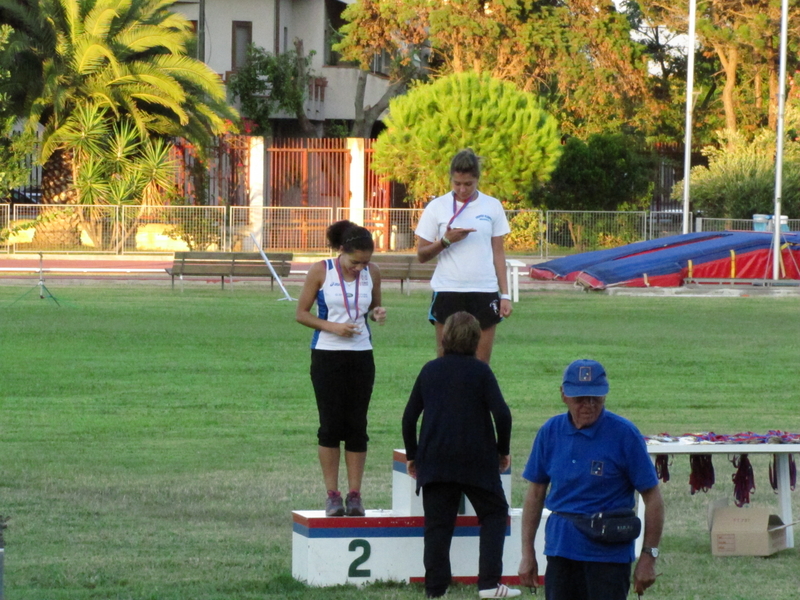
387,545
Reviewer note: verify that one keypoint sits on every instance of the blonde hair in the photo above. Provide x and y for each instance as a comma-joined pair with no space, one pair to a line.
461,334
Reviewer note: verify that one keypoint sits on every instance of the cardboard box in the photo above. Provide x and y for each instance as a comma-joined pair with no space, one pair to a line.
747,531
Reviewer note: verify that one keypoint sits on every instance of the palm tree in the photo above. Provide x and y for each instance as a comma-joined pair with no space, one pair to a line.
126,57
112,165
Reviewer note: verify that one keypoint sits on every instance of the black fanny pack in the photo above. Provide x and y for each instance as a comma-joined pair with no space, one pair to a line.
618,527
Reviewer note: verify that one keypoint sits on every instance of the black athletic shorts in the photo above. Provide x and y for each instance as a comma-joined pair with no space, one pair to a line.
484,306
343,381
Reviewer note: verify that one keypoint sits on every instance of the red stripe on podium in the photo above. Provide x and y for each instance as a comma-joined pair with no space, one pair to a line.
370,521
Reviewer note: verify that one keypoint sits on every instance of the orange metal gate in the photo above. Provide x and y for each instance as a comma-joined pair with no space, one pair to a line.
308,177
315,173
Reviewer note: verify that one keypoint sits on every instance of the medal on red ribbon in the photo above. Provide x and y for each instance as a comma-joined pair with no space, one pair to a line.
457,211
344,290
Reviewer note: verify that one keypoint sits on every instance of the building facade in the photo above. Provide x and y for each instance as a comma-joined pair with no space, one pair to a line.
227,27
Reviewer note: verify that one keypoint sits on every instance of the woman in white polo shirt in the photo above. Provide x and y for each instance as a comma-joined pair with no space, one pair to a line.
466,230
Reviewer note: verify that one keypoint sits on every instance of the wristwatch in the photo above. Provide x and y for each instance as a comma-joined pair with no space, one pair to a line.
445,242
651,551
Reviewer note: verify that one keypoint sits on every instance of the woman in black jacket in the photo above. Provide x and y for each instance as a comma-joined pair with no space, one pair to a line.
459,453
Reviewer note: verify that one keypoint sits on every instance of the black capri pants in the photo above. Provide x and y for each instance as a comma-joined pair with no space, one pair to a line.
343,381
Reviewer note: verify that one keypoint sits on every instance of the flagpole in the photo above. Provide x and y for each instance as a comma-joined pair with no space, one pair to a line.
687,144
776,220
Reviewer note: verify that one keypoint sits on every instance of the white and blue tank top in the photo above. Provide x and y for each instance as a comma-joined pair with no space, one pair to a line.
331,307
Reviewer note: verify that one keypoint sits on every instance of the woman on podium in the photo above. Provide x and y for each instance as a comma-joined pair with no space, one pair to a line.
347,291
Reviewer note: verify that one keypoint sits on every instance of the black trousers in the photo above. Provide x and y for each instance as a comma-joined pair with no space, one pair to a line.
567,579
441,501
343,383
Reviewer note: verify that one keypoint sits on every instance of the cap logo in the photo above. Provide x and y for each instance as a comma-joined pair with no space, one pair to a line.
584,373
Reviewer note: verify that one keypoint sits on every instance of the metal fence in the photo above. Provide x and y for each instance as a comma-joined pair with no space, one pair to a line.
164,230
281,228
218,180
571,232
174,228
5,217
665,223
308,172
114,229
392,229
744,225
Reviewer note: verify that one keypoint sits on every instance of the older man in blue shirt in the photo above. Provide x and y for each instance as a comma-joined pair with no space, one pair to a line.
593,461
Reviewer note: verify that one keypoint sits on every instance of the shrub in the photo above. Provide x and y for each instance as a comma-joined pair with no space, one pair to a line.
610,171
740,178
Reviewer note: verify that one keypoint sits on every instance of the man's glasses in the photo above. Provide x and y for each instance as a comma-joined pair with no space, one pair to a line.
589,400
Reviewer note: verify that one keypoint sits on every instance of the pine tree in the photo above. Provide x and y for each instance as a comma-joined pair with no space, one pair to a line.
518,141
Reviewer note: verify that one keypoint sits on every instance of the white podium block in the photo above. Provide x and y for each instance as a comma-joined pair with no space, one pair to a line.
359,550
404,489
385,546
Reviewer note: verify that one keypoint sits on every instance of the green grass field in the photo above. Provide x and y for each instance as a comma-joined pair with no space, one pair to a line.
153,443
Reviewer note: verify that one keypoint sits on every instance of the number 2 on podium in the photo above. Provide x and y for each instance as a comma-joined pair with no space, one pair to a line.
354,571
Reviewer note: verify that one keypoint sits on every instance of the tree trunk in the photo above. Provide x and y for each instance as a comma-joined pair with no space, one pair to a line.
729,57
774,90
367,115
757,91
57,228
302,78
57,187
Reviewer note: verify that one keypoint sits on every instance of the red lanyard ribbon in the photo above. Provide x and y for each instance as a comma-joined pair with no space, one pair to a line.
460,210
344,290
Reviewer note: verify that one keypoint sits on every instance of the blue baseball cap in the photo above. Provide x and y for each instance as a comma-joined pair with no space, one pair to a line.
585,378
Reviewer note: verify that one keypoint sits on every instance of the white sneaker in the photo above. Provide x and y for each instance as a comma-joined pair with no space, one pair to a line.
501,591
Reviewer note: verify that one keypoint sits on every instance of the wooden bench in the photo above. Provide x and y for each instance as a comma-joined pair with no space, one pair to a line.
405,267
229,264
